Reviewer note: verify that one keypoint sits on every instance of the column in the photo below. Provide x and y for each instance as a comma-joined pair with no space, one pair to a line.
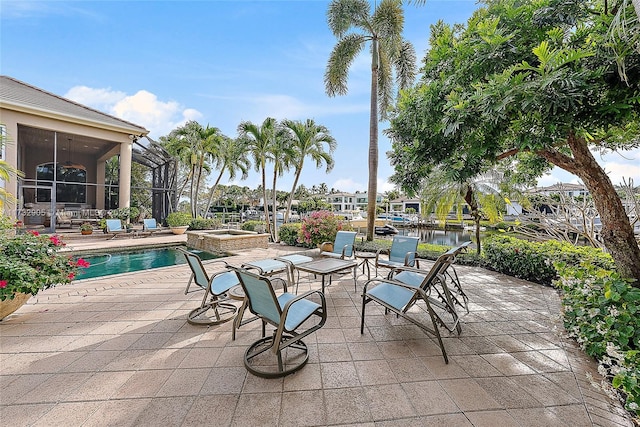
124,200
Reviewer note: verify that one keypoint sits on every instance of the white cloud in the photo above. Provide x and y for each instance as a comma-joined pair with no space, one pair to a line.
100,99
348,185
143,108
384,186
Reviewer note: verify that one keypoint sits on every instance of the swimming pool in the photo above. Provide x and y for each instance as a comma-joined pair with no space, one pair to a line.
106,264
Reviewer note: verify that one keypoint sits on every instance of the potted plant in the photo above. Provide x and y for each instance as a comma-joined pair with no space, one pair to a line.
86,228
29,263
178,222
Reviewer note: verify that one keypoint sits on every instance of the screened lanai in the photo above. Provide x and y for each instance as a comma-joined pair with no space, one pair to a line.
76,162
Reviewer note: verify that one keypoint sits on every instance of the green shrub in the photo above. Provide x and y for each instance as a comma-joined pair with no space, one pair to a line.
205,223
602,312
178,219
533,261
288,233
253,225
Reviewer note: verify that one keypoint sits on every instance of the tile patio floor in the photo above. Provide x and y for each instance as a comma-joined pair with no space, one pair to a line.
118,351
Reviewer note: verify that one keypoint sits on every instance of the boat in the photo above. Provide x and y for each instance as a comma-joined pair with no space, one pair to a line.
385,230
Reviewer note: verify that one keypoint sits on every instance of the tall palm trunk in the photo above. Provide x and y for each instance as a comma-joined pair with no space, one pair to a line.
274,232
373,143
293,189
264,199
213,188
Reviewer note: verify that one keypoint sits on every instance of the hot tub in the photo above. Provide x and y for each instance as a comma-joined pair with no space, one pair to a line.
218,241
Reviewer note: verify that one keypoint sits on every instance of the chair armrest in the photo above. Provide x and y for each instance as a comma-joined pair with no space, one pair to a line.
344,249
290,303
378,252
393,282
408,255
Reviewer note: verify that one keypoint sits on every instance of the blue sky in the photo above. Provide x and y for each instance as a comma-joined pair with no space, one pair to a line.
160,63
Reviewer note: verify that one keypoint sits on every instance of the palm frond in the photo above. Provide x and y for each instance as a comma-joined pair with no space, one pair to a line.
345,14
341,58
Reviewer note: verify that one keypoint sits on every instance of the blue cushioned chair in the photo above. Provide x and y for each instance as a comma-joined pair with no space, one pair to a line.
342,246
214,309
294,317
406,287
114,227
402,254
150,225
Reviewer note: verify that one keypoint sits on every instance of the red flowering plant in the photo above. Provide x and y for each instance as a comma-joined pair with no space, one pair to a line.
319,227
31,262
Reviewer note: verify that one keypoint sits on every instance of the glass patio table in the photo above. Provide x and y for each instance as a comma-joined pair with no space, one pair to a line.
327,266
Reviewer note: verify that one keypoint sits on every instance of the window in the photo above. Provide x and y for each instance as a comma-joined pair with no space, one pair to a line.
71,181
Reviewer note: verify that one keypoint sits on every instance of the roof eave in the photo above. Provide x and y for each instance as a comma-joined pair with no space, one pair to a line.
138,131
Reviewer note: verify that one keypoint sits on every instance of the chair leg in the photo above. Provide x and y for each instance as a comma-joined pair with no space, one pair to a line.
259,350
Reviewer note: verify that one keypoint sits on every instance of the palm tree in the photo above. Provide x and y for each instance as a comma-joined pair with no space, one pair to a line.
444,190
281,153
231,157
194,145
308,140
389,51
258,140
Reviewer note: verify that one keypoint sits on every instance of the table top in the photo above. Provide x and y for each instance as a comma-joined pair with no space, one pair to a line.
236,292
365,255
326,265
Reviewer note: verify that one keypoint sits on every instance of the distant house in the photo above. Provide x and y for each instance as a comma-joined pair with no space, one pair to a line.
571,190
62,148
344,202
402,204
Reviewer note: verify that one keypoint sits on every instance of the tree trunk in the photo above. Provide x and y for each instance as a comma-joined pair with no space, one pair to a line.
617,233
475,214
293,190
373,144
215,185
274,233
264,198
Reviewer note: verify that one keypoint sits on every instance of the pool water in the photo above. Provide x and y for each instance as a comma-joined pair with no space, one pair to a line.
106,264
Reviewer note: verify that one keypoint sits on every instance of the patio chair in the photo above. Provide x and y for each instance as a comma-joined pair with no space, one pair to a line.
458,294
287,313
342,246
150,225
402,292
402,254
114,227
214,309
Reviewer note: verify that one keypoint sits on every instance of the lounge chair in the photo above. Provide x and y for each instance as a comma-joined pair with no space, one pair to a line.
458,294
402,292
402,254
114,227
149,225
287,313
342,246
214,309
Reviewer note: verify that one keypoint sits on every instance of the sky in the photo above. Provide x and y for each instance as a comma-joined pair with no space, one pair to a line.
160,63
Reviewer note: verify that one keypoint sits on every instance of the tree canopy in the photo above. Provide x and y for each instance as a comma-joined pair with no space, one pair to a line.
533,79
